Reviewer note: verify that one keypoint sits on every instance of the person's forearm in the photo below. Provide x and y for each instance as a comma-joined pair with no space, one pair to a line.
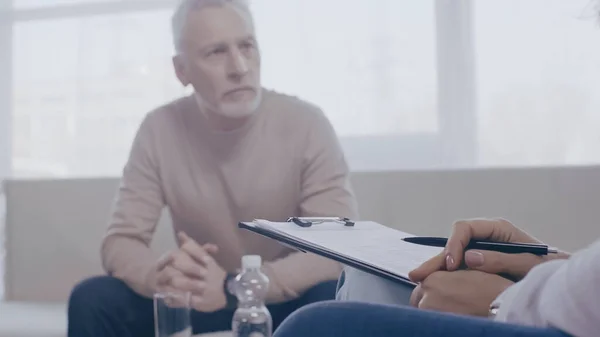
130,260
292,275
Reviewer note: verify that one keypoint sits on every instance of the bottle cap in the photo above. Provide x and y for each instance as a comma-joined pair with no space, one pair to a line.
251,261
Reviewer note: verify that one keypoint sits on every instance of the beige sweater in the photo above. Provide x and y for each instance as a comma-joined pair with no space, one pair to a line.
285,162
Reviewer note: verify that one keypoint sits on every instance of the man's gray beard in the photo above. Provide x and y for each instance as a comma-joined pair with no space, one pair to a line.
240,110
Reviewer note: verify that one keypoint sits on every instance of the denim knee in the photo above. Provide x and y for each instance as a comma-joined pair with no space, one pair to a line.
99,292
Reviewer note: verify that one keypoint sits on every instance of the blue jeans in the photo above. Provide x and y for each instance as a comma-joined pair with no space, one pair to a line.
359,319
106,306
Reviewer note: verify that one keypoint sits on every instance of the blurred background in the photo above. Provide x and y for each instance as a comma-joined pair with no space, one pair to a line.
408,84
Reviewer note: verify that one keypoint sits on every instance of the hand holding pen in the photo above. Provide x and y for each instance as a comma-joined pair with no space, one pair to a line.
478,245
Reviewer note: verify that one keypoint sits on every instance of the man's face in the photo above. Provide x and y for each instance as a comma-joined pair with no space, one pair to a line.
219,57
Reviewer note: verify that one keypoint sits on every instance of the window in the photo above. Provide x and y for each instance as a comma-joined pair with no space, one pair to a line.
373,71
82,83
538,66
81,87
406,83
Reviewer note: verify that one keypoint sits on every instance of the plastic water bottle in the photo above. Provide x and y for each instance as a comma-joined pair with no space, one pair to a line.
252,318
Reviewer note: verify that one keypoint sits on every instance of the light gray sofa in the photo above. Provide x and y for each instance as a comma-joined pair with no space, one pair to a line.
54,227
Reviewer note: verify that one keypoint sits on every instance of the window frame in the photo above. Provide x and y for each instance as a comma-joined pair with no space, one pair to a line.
6,24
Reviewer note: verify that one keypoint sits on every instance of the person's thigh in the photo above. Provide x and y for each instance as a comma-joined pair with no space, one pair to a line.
321,292
349,319
106,306
358,286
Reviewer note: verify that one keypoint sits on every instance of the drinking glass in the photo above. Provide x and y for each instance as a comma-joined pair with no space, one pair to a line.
172,314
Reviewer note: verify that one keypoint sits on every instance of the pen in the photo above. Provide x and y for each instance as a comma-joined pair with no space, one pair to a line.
502,247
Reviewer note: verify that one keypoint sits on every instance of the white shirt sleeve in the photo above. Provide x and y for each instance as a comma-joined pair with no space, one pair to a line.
564,294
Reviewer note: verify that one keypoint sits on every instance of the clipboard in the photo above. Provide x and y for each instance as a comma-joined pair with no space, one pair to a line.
290,234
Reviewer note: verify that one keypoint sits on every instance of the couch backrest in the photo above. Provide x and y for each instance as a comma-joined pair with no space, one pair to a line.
53,233
558,205
54,227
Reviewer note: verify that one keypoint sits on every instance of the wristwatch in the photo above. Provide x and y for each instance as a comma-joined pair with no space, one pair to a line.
228,289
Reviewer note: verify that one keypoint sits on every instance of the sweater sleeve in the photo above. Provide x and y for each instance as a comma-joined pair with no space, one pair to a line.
563,294
125,251
326,192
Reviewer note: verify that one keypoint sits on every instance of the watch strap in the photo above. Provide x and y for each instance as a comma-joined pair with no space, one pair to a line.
232,300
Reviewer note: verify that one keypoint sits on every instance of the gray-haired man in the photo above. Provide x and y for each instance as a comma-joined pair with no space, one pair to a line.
230,152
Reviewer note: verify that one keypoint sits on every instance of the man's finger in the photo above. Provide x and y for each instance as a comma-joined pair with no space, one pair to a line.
164,277
196,252
183,237
164,261
186,284
430,266
188,266
211,249
513,265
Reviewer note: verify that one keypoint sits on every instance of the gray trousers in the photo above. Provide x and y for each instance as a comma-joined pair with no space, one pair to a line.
356,285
